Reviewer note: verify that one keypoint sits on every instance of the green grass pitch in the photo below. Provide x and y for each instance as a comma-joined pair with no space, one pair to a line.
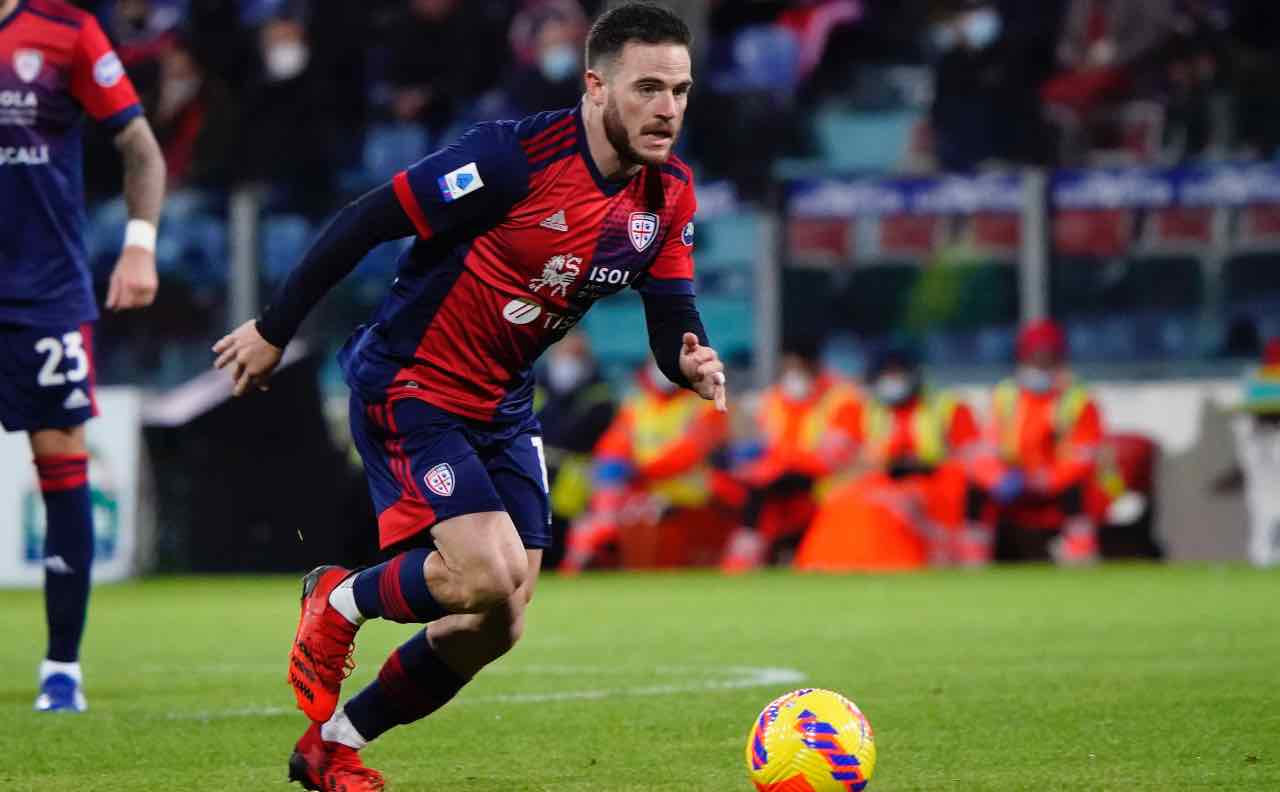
1117,678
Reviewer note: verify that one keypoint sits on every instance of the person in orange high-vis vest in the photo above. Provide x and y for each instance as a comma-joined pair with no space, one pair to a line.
1041,448
655,455
809,424
906,505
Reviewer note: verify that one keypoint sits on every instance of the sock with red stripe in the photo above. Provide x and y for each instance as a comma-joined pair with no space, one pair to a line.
413,683
397,590
68,550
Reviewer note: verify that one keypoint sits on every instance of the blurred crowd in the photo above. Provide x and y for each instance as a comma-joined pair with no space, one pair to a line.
827,473
230,85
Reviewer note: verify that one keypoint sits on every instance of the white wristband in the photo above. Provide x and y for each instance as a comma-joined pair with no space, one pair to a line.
140,233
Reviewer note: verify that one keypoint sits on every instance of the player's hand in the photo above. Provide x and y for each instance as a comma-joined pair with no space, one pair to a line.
701,365
251,356
134,281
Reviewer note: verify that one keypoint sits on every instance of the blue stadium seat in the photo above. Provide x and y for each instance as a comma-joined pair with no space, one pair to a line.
389,148
284,238
864,141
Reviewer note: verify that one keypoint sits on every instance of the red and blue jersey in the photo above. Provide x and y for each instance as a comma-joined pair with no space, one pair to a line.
518,235
55,65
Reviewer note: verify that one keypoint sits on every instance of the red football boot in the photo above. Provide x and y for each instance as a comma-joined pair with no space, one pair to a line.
321,655
346,773
310,756
330,767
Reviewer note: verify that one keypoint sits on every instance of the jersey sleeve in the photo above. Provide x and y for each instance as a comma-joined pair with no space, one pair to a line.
672,270
469,185
98,81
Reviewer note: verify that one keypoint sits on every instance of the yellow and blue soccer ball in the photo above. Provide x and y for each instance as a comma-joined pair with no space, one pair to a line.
811,741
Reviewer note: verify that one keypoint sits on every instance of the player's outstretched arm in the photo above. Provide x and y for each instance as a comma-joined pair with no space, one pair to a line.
679,345
134,281
255,347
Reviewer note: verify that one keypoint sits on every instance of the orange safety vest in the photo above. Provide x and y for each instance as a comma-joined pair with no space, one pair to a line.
656,422
1028,432
931,417
795,429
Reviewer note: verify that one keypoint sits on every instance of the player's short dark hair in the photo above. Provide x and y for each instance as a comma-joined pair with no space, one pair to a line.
643,22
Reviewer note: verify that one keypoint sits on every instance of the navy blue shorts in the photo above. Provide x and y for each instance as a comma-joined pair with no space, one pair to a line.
426,465
46,377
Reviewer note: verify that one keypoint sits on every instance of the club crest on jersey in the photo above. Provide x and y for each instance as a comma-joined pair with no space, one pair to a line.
558,273
642,228
686,236
27,63
440,479
460,182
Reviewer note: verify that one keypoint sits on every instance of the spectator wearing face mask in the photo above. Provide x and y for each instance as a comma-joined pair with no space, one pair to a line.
575,406
193,118
986,108
548,40
656,457
809,429
287,142
905,505
1041,448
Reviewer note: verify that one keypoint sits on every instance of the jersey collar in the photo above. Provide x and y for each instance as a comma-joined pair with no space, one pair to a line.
607,186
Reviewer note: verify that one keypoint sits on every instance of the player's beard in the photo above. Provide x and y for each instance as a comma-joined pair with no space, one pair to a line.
616,133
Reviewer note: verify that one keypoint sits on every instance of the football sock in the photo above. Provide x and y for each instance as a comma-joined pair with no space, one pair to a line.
413,683
339,729
68,550
397,590
343,600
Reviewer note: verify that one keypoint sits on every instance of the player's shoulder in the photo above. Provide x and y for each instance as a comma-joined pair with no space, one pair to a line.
59,12
543,128
676,168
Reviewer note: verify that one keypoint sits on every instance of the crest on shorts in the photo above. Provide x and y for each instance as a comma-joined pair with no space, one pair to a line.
642,228
440,479
27,63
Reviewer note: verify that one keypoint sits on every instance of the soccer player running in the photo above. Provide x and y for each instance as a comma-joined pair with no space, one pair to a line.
55,65
521,226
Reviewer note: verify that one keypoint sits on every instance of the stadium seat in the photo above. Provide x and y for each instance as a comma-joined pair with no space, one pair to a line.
284,238
1092,232
1169,283
1178,229
864,141
388,148
820,240
759,58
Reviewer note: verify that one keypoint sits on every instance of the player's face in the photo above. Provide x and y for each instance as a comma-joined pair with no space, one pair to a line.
647,92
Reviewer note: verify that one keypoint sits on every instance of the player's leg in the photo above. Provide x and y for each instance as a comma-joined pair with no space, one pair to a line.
428,670
46,390
62,466
424,473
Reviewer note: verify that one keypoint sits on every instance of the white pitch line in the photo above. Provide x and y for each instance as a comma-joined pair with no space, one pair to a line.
736,678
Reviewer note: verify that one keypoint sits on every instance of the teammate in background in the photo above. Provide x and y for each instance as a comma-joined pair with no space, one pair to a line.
1041,451
810,425
55,65
521,227
656,455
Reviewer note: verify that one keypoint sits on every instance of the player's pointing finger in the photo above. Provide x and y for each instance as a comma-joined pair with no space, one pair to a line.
690,343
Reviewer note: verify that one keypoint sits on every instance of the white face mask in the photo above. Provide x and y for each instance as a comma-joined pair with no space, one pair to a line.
1035,379
558,62
982,27
287,60
894,389
566,373
796,385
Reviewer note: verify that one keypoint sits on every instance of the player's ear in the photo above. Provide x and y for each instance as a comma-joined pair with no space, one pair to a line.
595,87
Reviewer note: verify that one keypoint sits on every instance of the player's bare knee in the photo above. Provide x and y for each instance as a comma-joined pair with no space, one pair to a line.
491,585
